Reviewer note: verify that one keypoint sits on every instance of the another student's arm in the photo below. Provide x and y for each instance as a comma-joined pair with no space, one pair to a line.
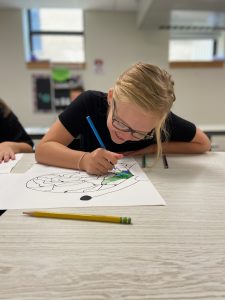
53,150
9,149
199,144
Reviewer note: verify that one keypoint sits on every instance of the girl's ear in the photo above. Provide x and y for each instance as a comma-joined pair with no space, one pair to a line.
110,96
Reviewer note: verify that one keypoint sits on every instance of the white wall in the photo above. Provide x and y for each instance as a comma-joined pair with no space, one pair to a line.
113,37
200,94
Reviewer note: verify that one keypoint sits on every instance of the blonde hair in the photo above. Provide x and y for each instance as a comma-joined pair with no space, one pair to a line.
151,88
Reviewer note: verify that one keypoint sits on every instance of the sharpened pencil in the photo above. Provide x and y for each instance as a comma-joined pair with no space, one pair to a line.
96,218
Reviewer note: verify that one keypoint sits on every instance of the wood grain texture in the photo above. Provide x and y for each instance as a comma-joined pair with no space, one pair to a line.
170,252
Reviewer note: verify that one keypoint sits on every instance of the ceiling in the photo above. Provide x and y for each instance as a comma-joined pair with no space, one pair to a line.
198,13
107,5
199,16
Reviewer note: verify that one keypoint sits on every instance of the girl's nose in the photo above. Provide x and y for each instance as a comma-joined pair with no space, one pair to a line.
127,136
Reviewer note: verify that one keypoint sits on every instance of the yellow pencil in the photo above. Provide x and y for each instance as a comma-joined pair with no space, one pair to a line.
97,218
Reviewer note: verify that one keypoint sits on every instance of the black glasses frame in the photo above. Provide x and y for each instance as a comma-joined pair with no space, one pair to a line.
136,134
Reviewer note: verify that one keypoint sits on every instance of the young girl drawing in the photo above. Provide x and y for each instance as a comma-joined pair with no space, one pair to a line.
133,118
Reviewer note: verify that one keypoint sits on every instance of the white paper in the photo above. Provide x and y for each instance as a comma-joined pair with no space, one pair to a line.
6,167
50,187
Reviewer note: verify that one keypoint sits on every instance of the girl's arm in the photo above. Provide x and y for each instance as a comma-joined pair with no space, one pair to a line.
199,144
53,150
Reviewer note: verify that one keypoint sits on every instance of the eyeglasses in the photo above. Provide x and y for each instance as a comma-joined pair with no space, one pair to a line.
123,127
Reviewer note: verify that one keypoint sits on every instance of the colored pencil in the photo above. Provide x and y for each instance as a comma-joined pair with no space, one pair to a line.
95,132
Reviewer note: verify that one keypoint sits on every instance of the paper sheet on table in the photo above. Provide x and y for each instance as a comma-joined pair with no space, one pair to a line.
6,167
50,187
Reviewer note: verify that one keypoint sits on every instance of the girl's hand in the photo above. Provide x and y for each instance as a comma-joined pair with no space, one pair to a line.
6,152
100,161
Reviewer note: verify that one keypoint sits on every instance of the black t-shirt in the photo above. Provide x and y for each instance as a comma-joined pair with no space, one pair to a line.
11,130
95,105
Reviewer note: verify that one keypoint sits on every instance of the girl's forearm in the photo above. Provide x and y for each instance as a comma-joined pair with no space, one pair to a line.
56,154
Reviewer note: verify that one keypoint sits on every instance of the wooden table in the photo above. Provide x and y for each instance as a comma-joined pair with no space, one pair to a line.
170,252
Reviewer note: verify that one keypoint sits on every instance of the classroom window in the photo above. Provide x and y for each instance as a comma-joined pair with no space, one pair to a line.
56,35
191,50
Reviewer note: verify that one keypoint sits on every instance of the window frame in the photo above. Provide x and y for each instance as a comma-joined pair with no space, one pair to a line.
39,63
182,32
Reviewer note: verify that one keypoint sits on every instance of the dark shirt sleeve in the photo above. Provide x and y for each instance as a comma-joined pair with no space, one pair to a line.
11,130
179,129
72,117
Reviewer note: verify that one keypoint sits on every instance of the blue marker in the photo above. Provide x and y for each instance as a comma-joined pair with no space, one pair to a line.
95,132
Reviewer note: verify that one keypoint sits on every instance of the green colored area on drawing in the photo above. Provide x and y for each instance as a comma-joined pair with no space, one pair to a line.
119,175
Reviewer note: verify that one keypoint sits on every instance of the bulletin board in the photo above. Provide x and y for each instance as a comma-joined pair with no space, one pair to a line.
53,95
42,93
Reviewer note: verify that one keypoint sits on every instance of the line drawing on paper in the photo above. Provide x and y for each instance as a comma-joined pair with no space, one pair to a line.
88,186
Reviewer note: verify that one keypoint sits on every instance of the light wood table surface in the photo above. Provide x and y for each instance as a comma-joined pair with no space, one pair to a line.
170,252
